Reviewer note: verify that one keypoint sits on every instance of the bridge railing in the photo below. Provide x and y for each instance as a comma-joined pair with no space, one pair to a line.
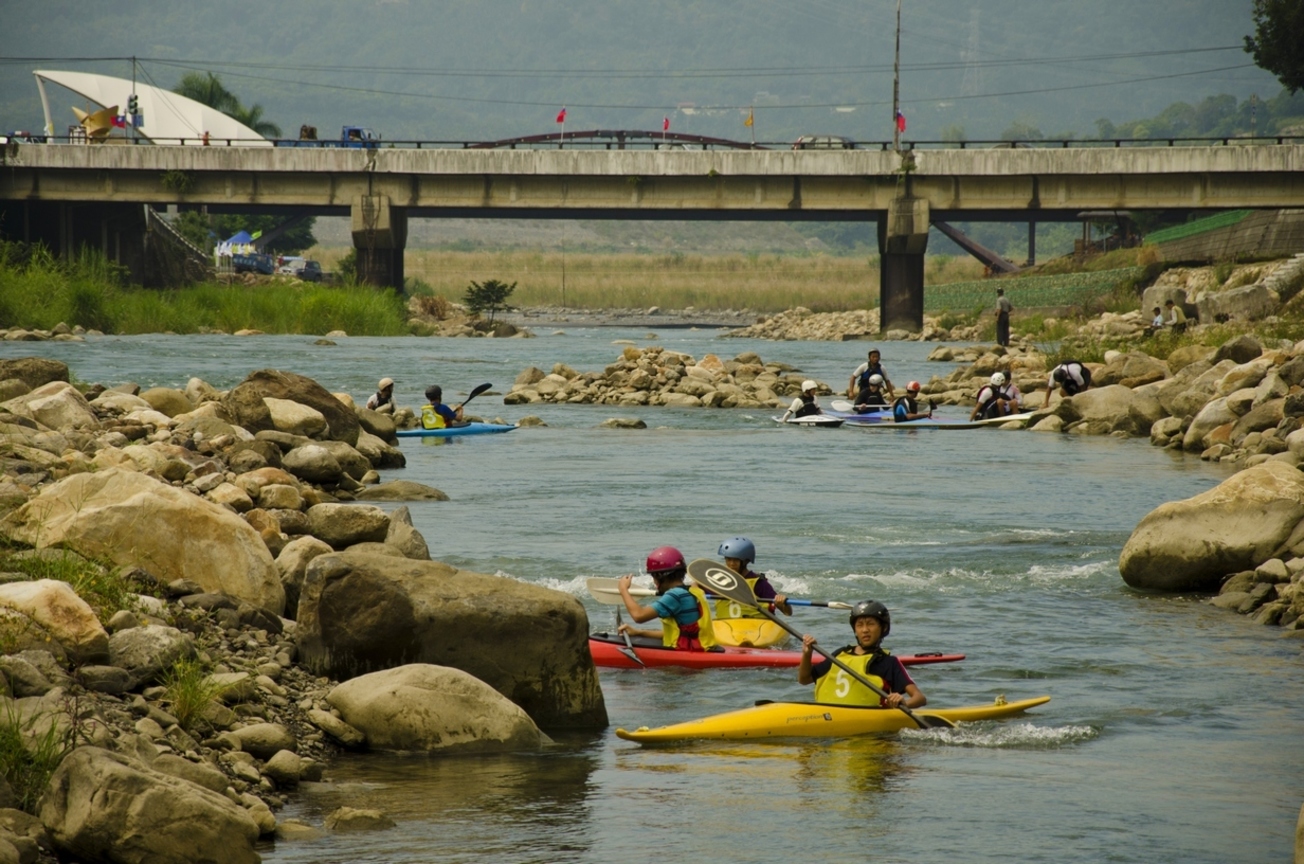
655,141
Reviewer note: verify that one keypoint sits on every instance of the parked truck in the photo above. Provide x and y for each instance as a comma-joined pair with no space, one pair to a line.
359,137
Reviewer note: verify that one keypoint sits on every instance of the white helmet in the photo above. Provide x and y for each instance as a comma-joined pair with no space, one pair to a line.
809,385
998,379
876,380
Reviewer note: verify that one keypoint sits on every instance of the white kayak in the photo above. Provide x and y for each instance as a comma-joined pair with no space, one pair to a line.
813,421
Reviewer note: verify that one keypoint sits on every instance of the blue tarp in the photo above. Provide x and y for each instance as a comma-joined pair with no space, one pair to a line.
242,237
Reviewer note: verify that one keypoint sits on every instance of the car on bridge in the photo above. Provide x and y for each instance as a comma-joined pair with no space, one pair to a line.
823,142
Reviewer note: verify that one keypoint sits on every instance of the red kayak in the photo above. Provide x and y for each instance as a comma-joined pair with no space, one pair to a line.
610,651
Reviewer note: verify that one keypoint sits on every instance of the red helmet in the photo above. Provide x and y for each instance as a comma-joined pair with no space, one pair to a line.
913,386
664,559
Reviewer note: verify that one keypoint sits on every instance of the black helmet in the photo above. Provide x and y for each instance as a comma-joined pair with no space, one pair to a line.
872,609
1060,374
435,393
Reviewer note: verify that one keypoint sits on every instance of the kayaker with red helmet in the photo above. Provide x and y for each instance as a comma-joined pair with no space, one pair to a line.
906,408
871,622
685,620
739,554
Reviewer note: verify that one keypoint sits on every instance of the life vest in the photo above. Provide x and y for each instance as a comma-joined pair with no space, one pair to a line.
431,419
902,406
863,381
839,688
808,406
730,609
698,636
869,399
988,407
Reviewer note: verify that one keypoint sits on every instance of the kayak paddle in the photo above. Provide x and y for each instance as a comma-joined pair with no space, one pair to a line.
605,592
723,581
474,393
628,650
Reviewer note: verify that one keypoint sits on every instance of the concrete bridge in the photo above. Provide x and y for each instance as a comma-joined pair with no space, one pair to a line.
68,195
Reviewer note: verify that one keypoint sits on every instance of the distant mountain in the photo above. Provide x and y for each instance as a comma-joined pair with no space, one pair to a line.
462,70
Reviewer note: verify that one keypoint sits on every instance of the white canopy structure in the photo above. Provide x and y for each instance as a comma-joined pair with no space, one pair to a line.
169,118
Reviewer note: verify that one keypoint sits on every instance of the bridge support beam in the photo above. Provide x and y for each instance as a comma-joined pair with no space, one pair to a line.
902,241
379,237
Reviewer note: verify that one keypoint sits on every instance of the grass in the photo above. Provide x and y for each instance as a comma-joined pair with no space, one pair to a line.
38,291
762,283
189,691
30,750
104,588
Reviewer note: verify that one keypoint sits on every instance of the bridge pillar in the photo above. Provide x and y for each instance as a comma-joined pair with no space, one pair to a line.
379,236
902,240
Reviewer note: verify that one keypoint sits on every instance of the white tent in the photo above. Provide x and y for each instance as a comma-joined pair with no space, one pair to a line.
169,118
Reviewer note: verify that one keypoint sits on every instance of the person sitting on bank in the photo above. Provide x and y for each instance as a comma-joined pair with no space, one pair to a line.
871,622
1071,376
383,399
872,397
1177,317
437,415
805,404
906,408
685,618
860,378
1156,323
996,398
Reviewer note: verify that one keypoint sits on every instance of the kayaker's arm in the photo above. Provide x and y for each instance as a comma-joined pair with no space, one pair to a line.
780,602
640,614
804,675
634,631
912,698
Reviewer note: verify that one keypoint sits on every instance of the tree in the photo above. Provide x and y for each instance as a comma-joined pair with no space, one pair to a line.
488,296
207,89
1278,35
204,231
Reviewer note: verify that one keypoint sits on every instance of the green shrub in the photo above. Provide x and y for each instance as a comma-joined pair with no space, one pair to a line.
30,750
189,690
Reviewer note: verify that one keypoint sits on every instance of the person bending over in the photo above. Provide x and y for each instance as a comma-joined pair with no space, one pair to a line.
1071,377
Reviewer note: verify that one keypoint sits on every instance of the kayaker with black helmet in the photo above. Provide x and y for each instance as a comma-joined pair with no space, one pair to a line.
805,404
739,554
906,408
383,399
685,619
437,415
871,623
860,378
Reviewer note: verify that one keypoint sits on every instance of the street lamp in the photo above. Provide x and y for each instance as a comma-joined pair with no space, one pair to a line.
896,86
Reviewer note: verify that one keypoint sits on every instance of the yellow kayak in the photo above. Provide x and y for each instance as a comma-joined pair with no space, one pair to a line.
749,632
816,720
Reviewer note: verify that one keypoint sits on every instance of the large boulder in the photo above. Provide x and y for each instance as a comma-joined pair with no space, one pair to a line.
341,421
148,652
133,520
361,613
1191,545
166,400
57,405
33,371
1211,416
60,612
314,463
102,806
433,708
1114,408
401,490
342,525
289,416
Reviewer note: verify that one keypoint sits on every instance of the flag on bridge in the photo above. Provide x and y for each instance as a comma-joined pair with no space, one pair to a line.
561,116
751,120
900,122
665,124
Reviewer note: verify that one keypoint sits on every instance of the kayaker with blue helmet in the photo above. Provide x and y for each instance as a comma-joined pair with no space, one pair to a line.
437,415
871,622
739,554
685,619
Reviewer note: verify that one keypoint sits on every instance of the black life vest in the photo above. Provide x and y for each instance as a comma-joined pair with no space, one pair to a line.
808,406
876,369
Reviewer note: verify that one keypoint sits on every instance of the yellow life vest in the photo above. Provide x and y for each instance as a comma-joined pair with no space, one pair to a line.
731,609
839,688
670,630
430,418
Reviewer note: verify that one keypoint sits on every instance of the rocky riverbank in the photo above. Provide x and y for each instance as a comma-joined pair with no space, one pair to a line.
197,609
859,324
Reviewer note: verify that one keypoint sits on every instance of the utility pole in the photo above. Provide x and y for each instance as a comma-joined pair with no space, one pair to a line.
896,86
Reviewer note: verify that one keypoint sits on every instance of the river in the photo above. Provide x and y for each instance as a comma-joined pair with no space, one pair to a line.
1173,730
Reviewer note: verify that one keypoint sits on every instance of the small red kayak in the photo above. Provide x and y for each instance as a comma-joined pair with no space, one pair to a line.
609,650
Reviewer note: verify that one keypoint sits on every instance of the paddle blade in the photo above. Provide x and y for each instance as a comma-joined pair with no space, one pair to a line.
930,721
719,579
476,392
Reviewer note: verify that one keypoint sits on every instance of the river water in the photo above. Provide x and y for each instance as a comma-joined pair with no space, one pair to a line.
1173,730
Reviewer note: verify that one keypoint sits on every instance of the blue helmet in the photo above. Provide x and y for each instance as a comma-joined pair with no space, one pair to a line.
738,547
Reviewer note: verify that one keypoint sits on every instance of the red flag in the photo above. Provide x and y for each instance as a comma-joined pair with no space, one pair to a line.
665,124
901,122
119,121
561,116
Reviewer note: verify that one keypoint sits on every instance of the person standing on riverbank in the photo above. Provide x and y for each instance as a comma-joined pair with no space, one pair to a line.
1177,317
685,619
1071,376
871,622
1003,309
739,554
859,382
383,399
